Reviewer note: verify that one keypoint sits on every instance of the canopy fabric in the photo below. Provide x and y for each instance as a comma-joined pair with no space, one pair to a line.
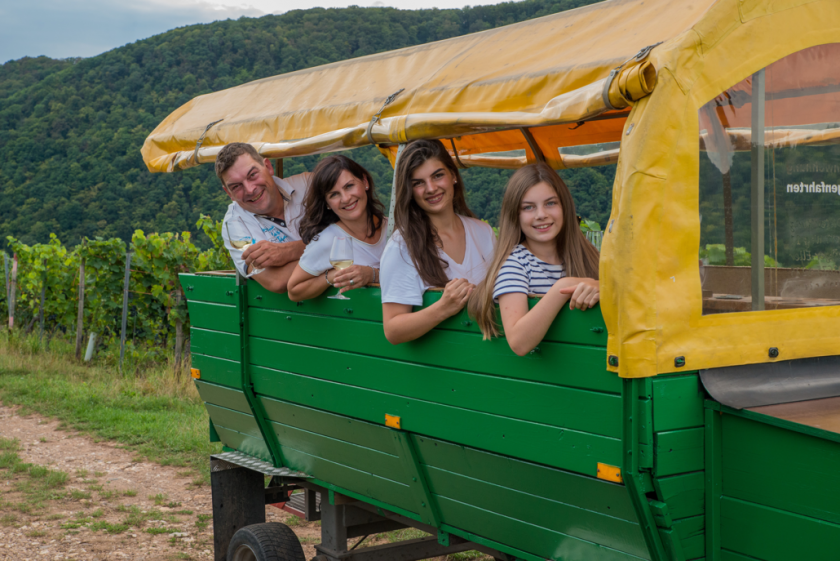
544,71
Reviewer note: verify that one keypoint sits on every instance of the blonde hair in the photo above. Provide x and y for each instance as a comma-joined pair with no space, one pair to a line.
580,258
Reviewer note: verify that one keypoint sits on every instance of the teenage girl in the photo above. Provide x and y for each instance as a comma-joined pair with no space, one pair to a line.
437,243
341,201
541,250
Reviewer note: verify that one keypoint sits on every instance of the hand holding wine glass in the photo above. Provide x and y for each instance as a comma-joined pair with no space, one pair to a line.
239,236
341,257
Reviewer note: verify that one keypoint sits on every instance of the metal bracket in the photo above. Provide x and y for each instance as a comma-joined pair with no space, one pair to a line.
201,139
232,460
393,203
427,507
532,143
388,100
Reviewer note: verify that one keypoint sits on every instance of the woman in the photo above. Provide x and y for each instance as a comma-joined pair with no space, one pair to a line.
341,201
541,250
437,242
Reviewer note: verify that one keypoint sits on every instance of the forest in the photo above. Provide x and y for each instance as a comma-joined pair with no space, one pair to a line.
71,130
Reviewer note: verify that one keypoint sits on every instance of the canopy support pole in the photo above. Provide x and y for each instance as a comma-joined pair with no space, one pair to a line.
393,203
532,143
757,192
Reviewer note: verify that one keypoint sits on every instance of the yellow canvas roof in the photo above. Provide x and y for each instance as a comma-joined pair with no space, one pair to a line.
540,72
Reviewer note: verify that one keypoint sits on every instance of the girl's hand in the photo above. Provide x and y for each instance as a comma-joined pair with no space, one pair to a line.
455,296
585,293
355,276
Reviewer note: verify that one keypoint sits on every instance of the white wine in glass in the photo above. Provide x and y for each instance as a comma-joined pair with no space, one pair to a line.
239,236
341,257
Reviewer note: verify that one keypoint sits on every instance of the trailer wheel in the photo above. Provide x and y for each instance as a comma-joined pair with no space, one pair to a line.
271,541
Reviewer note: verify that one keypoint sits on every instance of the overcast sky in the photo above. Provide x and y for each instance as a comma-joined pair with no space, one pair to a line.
69,28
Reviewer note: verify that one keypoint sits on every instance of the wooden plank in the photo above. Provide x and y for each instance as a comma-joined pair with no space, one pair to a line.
779,468
243,443
692,534
679,451
677,402
726,555
218,370
558,447
555,363
569,520
684,494
571,326
215,317
234,420
533,539
775,535
214,343
562,486
818,413
199,288
595,412
222,396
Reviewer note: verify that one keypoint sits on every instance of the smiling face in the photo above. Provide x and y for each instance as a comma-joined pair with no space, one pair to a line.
540,214
348,197
433,186
250,184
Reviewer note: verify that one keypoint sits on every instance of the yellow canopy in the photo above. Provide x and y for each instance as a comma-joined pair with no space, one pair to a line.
540,72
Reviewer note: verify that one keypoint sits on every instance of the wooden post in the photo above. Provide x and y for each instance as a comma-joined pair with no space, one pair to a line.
179,334
6,268
81,315
278,167
12,290
124,323
41,307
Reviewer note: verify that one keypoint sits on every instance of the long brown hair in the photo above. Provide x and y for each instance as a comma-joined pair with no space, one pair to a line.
580,258
318,214
412,221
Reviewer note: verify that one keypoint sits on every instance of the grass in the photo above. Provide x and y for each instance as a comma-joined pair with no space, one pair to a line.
157,415
202,521
36,483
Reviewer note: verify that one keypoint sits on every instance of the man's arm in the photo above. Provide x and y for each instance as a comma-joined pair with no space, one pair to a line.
276,279
264,254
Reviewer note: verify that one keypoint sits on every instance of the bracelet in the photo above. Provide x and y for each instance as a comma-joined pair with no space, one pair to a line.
327,278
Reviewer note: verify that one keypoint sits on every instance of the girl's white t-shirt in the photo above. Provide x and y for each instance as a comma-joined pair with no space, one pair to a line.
316,257
399,279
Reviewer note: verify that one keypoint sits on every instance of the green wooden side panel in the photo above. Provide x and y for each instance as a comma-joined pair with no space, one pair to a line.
774,535
779,468
589,411
218,370
528,537
564,519
571,326
216,317
683,494
677,402
234,420
214,343
559,447
726,555
556,363
223,396
572,489
679,451
221,290
244,443
692,535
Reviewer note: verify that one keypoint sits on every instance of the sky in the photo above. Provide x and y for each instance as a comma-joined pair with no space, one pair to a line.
71,28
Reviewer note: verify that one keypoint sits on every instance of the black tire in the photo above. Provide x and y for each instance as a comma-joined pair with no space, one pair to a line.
271,541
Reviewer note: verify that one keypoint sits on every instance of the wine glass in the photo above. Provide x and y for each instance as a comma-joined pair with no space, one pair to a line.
239,236
341,257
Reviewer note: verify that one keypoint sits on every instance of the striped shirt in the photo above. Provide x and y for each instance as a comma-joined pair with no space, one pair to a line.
524,273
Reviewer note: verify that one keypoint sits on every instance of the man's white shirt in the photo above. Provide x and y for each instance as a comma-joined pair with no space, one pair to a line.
293,189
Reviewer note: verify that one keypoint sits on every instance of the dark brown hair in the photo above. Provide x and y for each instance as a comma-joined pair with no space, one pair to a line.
230,153
579,256
318,214
414,224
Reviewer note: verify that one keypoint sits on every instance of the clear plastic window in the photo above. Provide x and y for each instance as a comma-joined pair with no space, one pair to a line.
770,187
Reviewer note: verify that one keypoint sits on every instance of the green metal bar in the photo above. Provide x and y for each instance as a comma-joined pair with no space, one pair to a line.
634,479
713,483
427,505
757,191
257,409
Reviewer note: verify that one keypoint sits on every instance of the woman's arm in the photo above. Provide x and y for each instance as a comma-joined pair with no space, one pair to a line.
402,325
303,286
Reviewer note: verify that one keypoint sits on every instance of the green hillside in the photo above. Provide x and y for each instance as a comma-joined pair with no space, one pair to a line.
71,130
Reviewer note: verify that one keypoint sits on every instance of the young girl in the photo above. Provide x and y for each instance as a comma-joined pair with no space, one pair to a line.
341,201
541,250
438,243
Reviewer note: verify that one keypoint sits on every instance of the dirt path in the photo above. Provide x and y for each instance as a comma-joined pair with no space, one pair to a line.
113,507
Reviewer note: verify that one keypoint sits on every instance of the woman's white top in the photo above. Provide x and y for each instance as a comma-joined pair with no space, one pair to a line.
401,284
316,257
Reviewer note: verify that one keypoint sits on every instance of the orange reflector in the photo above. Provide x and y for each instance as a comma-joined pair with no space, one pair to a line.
392,421
609,473
195,373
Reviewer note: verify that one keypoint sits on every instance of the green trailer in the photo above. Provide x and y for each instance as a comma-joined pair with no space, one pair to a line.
695,414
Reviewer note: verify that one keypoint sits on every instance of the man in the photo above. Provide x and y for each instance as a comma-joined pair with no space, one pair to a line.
269,207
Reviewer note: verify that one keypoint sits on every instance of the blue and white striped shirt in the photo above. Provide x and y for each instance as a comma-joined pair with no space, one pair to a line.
524,273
